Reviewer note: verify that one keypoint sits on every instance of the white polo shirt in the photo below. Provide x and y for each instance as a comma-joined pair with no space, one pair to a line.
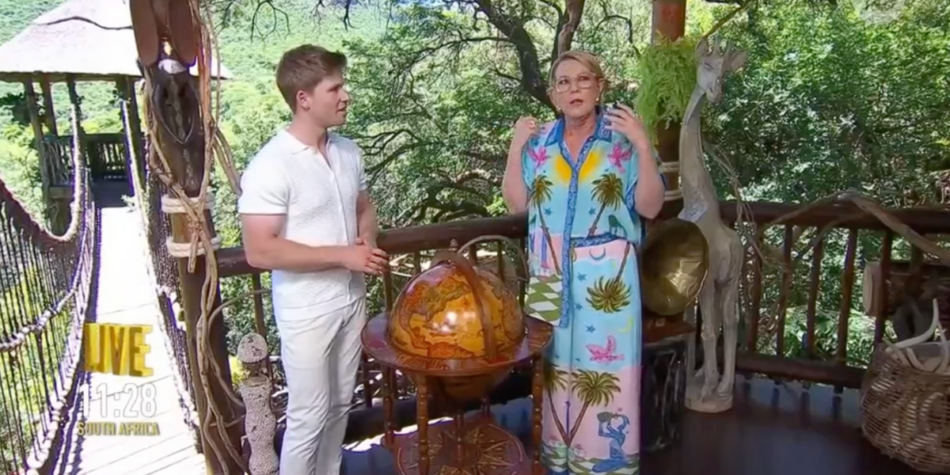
318,196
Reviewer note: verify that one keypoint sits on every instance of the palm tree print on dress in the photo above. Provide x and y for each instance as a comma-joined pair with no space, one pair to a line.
555,379
593,388
541,194
611,295
608,191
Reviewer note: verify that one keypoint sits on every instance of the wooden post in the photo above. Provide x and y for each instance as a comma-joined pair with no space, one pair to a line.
669,22
49,111
132,126
186,161
76,101
33,109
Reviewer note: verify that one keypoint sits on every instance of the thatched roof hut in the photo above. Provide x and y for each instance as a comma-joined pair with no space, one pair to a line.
86,39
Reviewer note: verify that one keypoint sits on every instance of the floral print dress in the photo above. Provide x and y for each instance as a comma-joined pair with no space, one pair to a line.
583,235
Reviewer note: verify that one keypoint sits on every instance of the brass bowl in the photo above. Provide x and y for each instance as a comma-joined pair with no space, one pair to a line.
673,266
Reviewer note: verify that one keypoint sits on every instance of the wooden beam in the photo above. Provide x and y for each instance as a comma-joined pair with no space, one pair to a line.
669,23
823,372
231,261
76,102
187,166
132,126
49,210
669,20
32,108
49,110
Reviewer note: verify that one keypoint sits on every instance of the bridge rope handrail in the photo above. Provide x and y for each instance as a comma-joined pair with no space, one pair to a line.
16,213
50,273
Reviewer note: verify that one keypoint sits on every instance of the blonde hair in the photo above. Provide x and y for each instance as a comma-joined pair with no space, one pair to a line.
586,59
303,67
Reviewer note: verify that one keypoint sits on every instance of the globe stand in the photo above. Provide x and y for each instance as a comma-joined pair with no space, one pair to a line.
466,445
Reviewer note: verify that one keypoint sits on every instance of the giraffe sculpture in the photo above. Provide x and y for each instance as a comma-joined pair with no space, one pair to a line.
718,299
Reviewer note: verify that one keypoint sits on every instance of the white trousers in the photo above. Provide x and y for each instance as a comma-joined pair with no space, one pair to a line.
321,357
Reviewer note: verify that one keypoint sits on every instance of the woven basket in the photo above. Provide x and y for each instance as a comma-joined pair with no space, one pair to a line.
906,410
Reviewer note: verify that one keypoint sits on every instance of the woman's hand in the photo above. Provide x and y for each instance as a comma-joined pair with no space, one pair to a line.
525,128
622,119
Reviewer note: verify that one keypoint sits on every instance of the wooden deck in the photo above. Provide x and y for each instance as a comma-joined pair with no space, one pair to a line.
125,295
773,429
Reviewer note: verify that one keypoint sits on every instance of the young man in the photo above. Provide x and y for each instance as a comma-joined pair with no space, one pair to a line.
306,216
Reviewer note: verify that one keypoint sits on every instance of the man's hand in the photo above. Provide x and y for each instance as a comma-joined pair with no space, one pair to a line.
367,241
365,258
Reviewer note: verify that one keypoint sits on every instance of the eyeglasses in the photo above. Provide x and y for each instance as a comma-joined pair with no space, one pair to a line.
583,81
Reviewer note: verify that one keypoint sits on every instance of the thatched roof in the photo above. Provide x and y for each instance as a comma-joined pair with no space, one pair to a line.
91,39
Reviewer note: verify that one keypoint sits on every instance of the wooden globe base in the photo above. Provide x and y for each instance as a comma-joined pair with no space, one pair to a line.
484,449
434,448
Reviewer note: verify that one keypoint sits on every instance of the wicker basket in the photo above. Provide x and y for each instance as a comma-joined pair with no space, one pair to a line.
906,410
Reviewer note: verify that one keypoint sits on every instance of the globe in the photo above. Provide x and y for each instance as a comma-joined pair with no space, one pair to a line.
455,310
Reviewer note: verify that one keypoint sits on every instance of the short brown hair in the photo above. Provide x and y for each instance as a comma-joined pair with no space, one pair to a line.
302,68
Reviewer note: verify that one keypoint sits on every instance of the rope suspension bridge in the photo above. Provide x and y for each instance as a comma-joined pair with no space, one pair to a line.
109,267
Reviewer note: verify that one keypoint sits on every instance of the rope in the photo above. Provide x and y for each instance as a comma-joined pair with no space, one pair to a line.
185,250
669,167
173,205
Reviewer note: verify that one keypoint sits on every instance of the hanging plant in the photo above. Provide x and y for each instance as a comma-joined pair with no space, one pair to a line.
667,75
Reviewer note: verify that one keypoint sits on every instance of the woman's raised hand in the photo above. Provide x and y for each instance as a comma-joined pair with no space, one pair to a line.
525,128
622,119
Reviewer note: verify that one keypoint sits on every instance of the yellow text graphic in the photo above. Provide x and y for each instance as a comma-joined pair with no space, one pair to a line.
116,349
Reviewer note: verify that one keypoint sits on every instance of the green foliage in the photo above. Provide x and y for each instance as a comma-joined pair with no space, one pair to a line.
667,74
829,101
18,167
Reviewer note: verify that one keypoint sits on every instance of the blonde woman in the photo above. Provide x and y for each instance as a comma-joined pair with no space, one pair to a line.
586,179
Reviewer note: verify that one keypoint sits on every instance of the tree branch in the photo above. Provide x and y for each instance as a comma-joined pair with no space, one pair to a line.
722,21
573,13
612,16
378,167
531,78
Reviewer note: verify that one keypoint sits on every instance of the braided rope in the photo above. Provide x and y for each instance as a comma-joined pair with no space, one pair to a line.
81,233
173,205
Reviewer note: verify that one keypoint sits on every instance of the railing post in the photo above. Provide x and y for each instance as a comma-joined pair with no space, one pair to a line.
176,125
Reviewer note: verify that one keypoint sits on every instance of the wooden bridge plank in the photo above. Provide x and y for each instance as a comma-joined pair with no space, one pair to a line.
127,296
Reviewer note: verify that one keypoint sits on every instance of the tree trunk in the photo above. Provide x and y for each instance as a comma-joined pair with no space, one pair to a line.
593,227
577,425
547,237
623,264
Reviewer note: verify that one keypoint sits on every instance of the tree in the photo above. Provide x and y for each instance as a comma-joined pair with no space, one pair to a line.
539,195
608,191
593,388
436,138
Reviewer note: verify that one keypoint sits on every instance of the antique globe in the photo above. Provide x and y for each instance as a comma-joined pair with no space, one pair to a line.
460,323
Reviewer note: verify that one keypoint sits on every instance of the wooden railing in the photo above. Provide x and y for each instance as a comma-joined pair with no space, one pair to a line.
105,154
768,317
